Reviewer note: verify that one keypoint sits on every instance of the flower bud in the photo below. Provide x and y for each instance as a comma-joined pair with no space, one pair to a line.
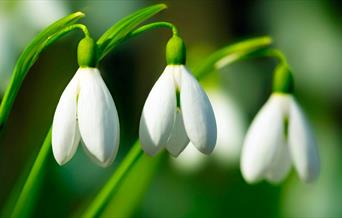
86,52
175,51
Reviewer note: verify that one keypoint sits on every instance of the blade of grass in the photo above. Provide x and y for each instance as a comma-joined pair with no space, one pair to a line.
28,58
242,47
102,198
122,28
24,202
131,190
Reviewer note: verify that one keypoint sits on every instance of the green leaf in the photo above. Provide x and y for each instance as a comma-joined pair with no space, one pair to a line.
232,52
101,200
122,28
30,54
130,192
27,197
29,57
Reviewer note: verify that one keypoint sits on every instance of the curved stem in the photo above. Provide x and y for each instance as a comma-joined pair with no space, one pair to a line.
102,198
24,203
152,26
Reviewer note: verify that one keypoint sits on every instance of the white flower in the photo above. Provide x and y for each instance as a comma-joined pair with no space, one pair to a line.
231,125
278,136
86,111
166,124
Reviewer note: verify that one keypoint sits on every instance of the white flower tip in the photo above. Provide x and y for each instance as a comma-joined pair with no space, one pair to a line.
311,174
148,149
106,163
60,156
206,145
207,149
101,157
249,174
174,153
150,146
61,162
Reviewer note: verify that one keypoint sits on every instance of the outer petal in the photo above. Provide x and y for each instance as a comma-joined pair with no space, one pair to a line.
65,134
263,138
198,115
159,114
178,139
303,147
98,118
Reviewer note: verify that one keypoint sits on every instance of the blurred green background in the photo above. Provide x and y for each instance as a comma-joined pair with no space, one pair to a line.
309,32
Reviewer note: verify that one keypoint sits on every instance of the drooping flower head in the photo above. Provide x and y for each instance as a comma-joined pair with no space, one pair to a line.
279,137
177,110
86,112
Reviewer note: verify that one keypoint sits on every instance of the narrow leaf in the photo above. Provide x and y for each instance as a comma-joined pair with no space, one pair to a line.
123,27
233,52
130,192
28,58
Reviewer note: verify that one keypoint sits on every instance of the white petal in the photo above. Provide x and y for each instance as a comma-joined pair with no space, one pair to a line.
198,115
65,134
98,118
303,147
178,139
159,114
280,165
263,138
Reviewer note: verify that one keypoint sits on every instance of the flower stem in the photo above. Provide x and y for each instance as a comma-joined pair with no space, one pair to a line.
268,52
102,198
28,191
152,26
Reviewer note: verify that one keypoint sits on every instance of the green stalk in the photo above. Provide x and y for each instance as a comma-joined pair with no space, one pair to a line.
102,198
23,204
155,25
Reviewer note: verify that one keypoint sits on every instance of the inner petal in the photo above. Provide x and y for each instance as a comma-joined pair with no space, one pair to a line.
178,139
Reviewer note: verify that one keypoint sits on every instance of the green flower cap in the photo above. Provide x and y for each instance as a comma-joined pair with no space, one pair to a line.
175,51
283,80
86,52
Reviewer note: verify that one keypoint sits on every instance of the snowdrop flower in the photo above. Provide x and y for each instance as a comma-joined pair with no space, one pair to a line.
177,110
278,136
86,111
231,125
